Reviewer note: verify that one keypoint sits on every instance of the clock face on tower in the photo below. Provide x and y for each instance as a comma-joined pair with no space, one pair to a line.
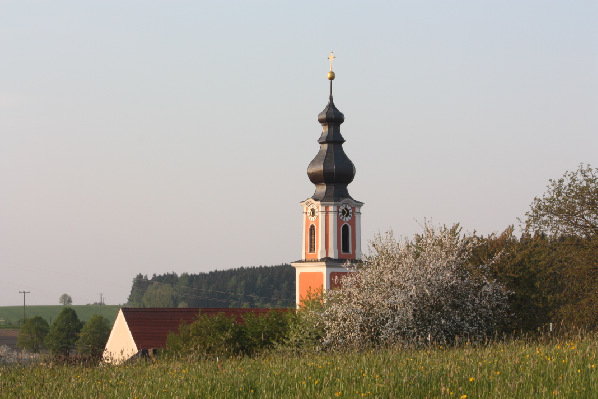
312,213
345,212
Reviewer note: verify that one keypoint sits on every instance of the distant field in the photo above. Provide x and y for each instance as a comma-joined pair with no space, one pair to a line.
11,314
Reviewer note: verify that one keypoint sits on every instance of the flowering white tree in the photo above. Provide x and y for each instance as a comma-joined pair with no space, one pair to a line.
413,290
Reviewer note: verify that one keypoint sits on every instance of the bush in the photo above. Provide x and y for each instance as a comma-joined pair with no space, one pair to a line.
94,336
306,327
221,335
415,290
32,334
208,335
264,331
551,279
63,332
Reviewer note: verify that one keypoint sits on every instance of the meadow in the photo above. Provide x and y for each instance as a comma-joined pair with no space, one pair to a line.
11,314
508,369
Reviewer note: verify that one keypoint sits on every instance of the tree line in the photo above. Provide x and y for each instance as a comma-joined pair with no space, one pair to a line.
66,334
243,287
551,269
550,279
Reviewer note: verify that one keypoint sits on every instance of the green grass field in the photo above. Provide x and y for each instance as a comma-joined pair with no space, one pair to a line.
515,369
11,314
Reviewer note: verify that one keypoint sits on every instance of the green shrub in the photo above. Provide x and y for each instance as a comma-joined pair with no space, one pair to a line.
32,334
222,335
93,337
217,335
305,326
264,331
63,332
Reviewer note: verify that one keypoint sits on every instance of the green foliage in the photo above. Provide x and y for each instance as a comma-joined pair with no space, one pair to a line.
551,279
140,284
65,300
32,334
244,287
515,268
159,295
208,335
569,206
306,329
93,337
63,333
260,332
551,270
221,335
577,298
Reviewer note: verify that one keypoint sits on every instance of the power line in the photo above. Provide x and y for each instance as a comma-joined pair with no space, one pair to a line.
24,293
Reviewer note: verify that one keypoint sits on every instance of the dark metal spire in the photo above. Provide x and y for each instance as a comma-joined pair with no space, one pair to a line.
331,170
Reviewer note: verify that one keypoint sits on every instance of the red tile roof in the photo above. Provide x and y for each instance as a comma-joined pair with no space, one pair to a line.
150,326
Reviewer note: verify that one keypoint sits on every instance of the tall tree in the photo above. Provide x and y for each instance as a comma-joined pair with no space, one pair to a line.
32,334
63,332
93,337
65,299
140,284
569,206
159,295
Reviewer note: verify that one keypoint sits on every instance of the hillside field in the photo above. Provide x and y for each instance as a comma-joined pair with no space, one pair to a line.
12,314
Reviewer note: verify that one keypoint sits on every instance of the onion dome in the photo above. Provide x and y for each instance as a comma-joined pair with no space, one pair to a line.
331,170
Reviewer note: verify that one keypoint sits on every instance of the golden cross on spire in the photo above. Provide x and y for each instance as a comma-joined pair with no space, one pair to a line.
331,74
332,57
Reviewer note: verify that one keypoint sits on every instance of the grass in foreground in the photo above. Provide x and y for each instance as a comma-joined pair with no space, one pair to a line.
562,368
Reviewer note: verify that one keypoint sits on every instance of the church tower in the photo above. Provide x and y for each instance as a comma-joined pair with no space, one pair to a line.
331,217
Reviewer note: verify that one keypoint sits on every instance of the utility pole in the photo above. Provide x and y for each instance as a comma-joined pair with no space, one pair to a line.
24,293
101,300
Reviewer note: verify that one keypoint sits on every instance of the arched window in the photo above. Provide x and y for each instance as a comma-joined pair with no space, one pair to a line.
346,239
312,239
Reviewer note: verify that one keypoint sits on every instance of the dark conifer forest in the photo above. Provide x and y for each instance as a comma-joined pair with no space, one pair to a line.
243,287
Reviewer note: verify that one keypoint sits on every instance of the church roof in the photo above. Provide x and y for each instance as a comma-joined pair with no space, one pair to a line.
150,326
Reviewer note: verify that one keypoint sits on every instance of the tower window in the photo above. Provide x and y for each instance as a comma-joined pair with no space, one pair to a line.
312,239
346,239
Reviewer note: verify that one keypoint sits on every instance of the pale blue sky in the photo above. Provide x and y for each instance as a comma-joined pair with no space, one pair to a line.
157,136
